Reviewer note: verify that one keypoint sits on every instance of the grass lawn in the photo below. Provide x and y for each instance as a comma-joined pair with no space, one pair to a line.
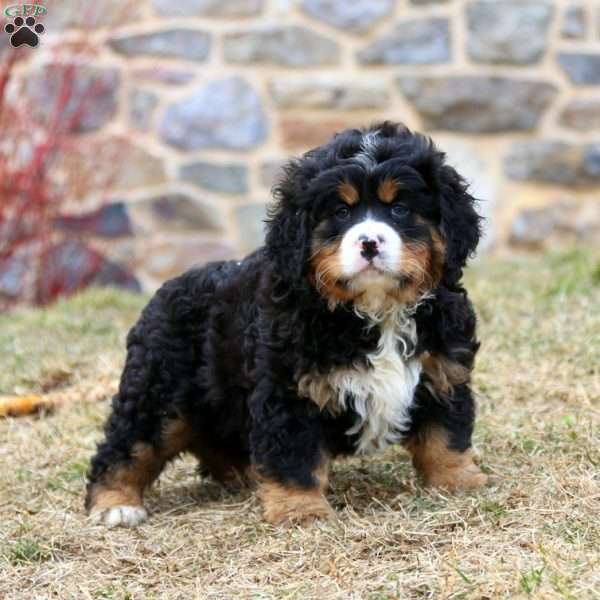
533,532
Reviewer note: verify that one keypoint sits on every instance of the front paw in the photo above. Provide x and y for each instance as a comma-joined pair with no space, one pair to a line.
120,516
460,478
291,505
443,467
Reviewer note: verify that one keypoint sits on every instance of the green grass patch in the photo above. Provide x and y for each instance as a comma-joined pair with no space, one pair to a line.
45,348
27,551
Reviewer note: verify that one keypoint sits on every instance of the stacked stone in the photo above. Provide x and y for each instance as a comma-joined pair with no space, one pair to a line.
202,100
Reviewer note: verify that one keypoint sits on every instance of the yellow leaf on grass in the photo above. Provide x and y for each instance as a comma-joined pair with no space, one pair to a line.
16,406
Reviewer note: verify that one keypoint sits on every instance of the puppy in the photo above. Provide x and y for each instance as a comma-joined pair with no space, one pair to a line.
347,332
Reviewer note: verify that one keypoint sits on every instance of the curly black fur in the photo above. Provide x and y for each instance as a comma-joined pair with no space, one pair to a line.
222,347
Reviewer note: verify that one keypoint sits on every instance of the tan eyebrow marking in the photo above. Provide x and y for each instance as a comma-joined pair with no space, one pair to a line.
348,193
387,190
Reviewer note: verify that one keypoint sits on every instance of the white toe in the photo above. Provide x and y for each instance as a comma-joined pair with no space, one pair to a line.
121,516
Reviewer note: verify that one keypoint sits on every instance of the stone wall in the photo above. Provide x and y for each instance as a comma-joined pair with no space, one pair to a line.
204,99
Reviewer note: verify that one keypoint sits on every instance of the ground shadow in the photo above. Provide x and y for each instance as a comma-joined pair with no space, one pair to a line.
364,483
358,483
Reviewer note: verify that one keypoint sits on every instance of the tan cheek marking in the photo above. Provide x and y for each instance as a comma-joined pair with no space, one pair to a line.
415,263
284,503
440,466
387,190
348,193
326,272
422,263
416,259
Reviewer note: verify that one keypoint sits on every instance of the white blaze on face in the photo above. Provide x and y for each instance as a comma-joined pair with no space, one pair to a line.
368,269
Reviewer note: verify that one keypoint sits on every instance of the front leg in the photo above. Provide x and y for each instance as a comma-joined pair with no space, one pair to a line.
289,456
442,425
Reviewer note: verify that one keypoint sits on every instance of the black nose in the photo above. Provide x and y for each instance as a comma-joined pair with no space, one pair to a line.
369,249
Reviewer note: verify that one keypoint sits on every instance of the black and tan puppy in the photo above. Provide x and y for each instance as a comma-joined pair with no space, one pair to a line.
347,332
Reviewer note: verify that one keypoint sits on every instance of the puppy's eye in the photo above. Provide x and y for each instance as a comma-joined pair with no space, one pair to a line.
399,211
342,212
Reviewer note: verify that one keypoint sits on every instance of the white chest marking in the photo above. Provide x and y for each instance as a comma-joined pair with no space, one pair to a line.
381,395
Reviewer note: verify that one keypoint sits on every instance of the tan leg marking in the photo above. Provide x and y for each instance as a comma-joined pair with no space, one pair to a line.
441,467
294,504
116,500
125,485
443,373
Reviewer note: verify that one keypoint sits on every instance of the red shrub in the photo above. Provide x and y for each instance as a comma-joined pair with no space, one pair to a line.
31,147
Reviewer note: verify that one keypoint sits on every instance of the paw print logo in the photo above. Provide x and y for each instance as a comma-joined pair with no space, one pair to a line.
24,31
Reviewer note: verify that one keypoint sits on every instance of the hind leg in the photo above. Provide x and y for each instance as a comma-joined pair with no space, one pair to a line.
127,463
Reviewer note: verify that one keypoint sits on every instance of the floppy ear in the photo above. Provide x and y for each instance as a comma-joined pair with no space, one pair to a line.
288,239
459,222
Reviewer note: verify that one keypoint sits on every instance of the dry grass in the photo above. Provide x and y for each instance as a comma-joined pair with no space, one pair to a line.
535,532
